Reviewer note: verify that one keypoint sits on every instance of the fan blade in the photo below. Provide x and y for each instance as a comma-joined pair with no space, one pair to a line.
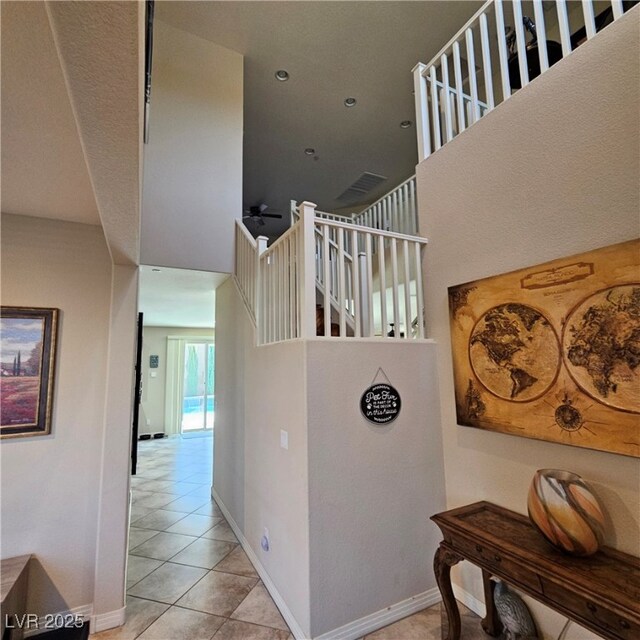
272,215
261,222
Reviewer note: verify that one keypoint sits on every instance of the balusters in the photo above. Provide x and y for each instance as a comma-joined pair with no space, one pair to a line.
589,18
565,30
407,289
419,292
448,123
422,111
369,265
502,50
486,61
473,80
538,11
355,284
435,110
394,292
618,9
521,45
414,205
457,67
382,276
340,294
327,280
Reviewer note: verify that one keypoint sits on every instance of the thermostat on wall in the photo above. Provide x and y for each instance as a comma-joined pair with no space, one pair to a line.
153,361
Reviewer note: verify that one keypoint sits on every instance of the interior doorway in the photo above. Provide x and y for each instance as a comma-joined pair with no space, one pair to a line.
198,397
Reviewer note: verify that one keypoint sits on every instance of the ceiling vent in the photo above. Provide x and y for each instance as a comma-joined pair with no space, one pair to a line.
363,185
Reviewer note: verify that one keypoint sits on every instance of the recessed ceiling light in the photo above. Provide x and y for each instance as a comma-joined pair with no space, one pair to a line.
405,124
309,151
350,102
282,75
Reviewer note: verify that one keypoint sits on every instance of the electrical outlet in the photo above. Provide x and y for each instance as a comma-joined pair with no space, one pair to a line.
148,422
284,439
265,542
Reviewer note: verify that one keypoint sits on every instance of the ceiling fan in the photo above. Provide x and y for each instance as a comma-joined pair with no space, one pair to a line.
257,214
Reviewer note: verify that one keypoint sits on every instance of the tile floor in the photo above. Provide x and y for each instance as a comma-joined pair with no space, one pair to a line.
189,579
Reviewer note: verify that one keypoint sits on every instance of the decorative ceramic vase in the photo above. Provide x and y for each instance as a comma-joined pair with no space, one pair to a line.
566,512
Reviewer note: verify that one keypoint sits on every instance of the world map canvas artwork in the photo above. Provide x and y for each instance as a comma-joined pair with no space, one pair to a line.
553,352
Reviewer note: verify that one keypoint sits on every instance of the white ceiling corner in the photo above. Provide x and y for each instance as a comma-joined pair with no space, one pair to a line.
99,45
44,173
178,297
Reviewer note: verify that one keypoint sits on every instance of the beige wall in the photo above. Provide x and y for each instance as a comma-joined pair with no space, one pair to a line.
154,342
234,332
371,488
51,484
348,504
113,518
551,173
260,391
192,188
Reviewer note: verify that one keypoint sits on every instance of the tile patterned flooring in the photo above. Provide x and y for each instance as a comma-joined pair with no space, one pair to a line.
189,579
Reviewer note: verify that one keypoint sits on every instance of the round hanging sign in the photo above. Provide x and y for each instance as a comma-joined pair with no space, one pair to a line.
380,404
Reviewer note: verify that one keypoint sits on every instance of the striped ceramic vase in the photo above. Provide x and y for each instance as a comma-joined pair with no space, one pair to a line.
565,511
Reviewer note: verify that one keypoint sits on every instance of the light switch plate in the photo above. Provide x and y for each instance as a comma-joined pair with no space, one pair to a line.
284,439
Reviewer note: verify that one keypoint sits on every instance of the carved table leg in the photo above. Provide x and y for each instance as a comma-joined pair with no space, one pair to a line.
490,623
442,563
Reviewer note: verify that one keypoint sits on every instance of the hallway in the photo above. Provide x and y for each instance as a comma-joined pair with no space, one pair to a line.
189,579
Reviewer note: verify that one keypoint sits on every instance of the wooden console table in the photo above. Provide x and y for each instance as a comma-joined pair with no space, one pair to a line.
14,576
601,592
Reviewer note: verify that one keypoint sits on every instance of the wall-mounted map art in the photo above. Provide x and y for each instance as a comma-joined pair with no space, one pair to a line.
553,352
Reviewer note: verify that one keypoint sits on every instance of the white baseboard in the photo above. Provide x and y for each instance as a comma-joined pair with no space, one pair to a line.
58,620
469,601
352,630
109,620
296,629
388,615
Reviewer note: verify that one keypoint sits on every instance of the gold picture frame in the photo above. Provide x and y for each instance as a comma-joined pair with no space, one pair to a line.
27,370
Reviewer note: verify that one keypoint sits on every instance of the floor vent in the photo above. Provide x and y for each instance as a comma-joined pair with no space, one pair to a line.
365,183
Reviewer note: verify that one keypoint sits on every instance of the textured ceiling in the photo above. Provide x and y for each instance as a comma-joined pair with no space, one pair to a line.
44,173
71,115
178,297
101,47
332,50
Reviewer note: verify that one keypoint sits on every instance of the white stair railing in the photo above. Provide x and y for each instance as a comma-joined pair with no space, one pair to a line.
368,280
395,211
375,280
247,252
280,270
483,64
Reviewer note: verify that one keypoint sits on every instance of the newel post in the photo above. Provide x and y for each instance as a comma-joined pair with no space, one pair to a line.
307,267
261,300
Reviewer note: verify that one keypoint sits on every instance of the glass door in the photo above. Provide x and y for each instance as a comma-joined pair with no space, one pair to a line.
198,391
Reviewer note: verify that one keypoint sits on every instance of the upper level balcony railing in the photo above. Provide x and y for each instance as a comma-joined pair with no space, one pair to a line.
395,211
489,59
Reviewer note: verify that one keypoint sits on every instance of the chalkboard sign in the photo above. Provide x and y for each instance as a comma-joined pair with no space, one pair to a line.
380,404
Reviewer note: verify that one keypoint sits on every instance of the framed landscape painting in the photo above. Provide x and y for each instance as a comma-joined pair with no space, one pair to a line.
27,370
